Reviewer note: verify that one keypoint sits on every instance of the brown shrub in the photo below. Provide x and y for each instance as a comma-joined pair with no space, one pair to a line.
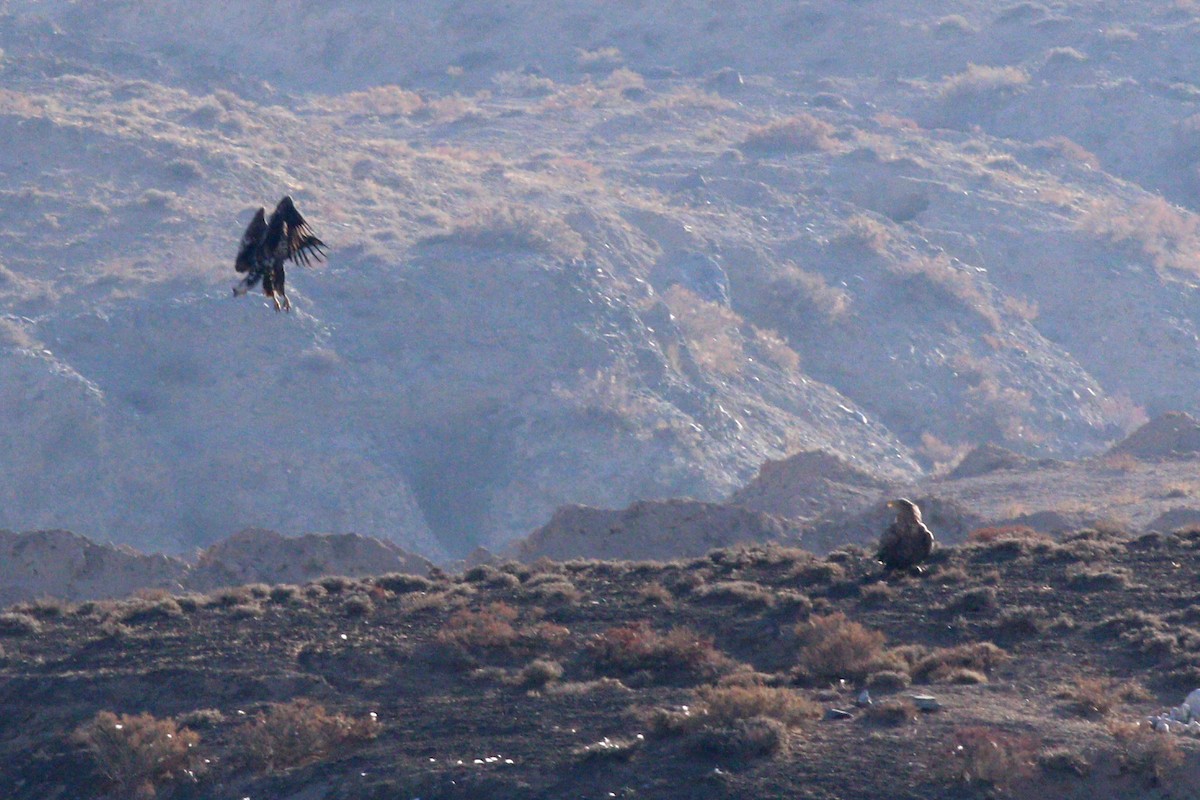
723,705
977,80
834,646
747,738
138,754
802,133
981,656
891,712
745,593
712,330
638,647
1143,751
1097,697
403,583
972,601
1004,533
490,628
298,732
992,757
538,673
15,623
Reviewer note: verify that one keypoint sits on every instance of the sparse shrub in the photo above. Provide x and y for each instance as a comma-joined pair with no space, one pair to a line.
746,738
937,665
558,591
1097,697
493,630
888,680
1143,751
655,594
972,601
1007,533
834,647
137,611
45,608
191,603
226,598
14,623
818,572
403,583
1020,622
358,605
962,676
801,133
723,705
891,713
337,584
246,611
745,593
992,757
201,718
490,628
978,80
1064,759
637,647
1092,579
298,732
285,594
713,331
876,594
138,754
538,673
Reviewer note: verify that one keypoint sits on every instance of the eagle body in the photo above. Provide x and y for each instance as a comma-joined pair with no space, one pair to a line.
906,542
268,243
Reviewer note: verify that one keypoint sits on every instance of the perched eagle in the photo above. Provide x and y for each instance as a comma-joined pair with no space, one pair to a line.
906,542
267,243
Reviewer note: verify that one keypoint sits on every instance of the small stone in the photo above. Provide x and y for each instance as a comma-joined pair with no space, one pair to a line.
1193,702
837,713
864,699
926,702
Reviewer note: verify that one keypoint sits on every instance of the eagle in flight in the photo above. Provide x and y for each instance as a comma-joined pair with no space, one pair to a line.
267,243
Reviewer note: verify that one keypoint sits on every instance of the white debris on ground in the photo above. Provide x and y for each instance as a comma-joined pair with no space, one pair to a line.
1183,719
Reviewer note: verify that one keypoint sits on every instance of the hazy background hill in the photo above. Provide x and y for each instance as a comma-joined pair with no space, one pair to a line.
581,253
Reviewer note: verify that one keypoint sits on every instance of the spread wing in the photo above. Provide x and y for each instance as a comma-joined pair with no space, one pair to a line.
250,241
302,245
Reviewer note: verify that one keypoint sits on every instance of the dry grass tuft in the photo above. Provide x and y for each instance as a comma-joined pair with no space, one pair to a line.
992,757
637,647
834,647
723,705
138,754
944,661
1143,751
892,713
15,623
802,133
298,732
978,80
1098,697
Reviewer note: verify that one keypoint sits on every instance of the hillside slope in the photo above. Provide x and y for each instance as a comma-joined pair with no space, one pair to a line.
608,257
709,678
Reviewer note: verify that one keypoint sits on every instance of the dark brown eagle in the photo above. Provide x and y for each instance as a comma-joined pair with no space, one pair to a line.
267,243
906,542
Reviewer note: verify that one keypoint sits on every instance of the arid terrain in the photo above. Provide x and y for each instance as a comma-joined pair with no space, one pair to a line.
709,677
580,253
561,478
